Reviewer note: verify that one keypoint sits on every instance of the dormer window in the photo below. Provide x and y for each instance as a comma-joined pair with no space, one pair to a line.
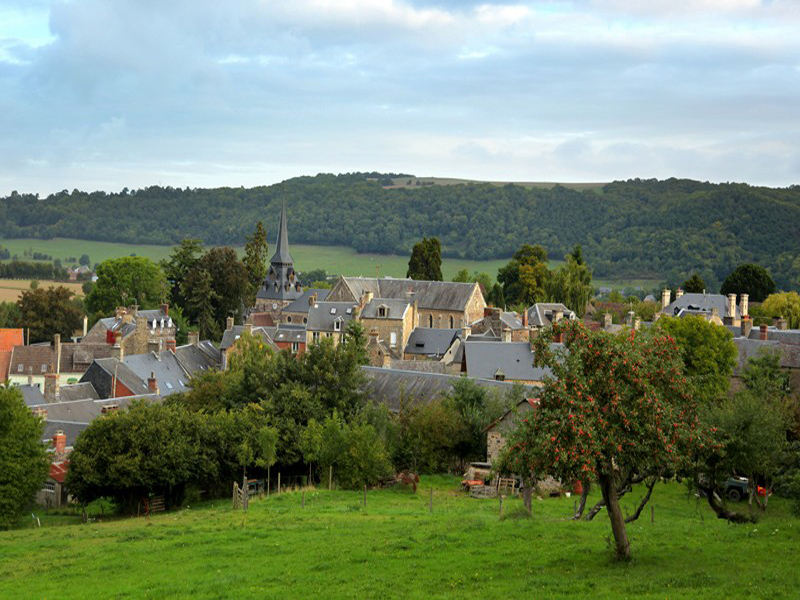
337,325
383,311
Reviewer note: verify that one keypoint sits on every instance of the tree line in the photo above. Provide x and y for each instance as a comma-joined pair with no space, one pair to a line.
635,228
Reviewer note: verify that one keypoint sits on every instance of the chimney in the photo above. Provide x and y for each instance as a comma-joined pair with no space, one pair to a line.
744,305
607,321
40,412
525,318
248,328
120,312
165,309
678,293
170,344
194,338
117,351
229,324
637,323
85,325
57,351
714,312
747,326
665,294
763,333
60,442
312,299
154,346
557,315
505,334
152,383
730,311
487,311
782,324
466,331
366,298
50,387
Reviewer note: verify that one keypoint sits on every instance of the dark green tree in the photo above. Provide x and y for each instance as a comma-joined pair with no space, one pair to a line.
122,281
525,278
425,263
46,311
181,262
23,461
571,284
85,260
749,279
694,285
255,261
200,303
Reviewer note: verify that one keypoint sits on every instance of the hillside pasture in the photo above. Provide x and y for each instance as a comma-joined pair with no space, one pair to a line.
11,289
394,547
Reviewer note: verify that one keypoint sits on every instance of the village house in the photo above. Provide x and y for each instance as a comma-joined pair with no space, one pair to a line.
329,320
509,361
134,331
233,333
440,304
296,312
496,432
712,307
506,326
68,362
9,338
393,319
544,314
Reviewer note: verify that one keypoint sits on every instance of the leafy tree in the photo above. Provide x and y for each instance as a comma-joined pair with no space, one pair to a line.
426,260
616,408
783,304
708,353
354,450
694,285
525,278
23,461
200,303
255,260
49,311
181,262
9,315
749,279
84,260
122,281
572,284
316,278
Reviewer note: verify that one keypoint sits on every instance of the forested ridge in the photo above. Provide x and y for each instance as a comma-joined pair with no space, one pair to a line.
639,228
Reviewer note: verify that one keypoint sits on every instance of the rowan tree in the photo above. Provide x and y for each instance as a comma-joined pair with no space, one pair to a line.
615,409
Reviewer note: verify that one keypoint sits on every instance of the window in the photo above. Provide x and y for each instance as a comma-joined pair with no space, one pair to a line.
451,321
289,319
381,311
315,336
295,347
393,339
49,487
430,321
169,385
328,334
337,325
44,368
305,320
19,368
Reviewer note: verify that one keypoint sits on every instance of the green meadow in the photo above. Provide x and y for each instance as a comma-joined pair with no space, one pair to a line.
336,260
335,547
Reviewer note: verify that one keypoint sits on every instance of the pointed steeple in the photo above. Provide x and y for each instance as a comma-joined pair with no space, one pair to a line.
282,255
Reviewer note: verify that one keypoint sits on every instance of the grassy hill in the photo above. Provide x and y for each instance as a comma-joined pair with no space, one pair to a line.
335,547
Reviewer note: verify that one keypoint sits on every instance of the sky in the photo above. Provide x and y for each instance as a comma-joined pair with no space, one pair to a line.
202,93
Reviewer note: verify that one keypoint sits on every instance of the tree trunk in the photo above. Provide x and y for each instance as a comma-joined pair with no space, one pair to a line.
609,490
715,502
582,505
644,501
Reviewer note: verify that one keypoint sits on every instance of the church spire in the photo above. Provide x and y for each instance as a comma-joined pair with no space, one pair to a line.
282,255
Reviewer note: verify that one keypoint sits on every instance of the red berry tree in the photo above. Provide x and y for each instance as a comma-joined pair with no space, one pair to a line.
616,410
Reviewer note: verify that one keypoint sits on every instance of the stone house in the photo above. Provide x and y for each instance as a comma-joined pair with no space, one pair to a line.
329,320
505,325
296,312
134,331
428,344
440,304
509,361
544,314
393,320
31,364
713,307
231,335
496,432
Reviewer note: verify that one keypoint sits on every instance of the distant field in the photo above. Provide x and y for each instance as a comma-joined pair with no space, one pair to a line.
10,289
334,259
328,545
411,182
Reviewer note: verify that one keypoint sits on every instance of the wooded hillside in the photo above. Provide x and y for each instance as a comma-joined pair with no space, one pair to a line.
638,228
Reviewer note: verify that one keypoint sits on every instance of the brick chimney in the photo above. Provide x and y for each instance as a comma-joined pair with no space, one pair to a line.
152,383
714,313
312,299
782,324
194,338
165,309
117,350
248,328
665,295
60,442
608,319
730,311
744,305
229,324
763,333
50,387
525,318
678,293
747,326
170,345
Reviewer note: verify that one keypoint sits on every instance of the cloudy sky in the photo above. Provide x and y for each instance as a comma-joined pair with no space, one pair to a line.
99,94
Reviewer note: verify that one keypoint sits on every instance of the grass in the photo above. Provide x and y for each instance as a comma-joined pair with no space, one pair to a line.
337,260
411,182
10,289
393,547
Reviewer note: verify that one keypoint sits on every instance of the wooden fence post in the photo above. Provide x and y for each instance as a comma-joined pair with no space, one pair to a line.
303,500
501,504
330,477
430,502
279,483
365,495
234,494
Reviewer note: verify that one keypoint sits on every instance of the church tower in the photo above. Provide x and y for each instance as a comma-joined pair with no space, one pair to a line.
281,285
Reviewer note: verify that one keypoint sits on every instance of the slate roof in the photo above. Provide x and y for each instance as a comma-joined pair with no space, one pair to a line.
322,315
76,358
513,359
750,348
230,336
168,371
71,430
109,367
395,308
31,394
77,391
83,411
699,302
282,242
435,295
511,320
431,342
422,366
301,305
287,333
541,313
195,359
392,386
36,359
